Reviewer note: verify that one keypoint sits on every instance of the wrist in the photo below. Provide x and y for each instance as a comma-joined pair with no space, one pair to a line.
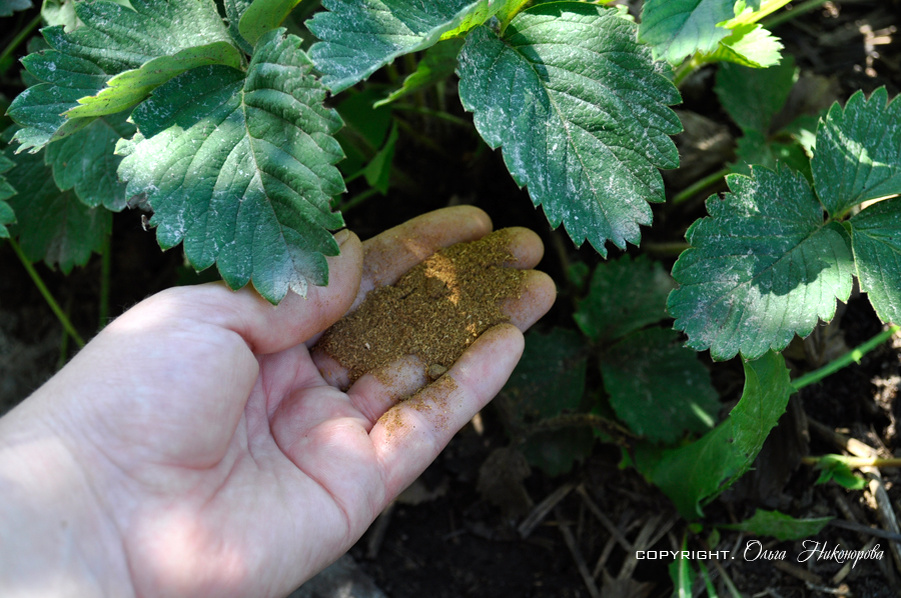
55,538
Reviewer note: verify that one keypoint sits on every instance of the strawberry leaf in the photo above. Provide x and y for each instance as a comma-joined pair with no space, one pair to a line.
361,36
625,295
696,473
658,387
581,114
876,238
858,152
86,162
52,225
7,216
762,267
241,169
112,62
677,28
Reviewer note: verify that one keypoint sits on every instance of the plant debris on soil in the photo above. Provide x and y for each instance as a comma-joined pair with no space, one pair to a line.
435,311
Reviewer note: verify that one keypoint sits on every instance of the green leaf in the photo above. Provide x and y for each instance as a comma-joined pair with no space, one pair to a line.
769,88
747,45
762,267
7,216
154,39
361,36
86,161
581,114
129,88
437,64
876,239
262,16
242,169
625,295
549,381
8,7
681,574
752,11
700,471
378,171
836,469
550,377
677,28
60,12
658,387
234,10
754,150
858,152
780,526
52,225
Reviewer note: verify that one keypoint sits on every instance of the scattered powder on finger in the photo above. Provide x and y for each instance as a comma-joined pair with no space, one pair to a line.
435,311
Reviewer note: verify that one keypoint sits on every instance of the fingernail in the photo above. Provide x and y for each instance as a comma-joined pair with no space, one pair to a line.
342,236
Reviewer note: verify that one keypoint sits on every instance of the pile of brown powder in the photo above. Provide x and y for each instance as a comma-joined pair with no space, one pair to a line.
435,311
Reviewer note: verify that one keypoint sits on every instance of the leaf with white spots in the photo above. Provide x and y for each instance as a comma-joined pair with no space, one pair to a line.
361,36
678,28
761,268
240,168
581,113
113,61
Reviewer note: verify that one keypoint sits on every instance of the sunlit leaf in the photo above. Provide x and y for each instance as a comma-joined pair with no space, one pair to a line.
360,36
131,49
580,112
762,267
858,155
876,238
241,169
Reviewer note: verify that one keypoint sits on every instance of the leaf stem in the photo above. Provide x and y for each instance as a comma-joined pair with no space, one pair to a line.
48,297
357,199
788,15
439,114
26,31
854,462
698,186
685,69
854,355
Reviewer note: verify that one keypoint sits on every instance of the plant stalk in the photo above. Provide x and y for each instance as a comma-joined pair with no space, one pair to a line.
45,292
856,462
788,15
852,356
357,199
16,41
698,186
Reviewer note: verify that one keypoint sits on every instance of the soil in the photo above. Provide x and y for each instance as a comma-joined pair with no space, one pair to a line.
444,538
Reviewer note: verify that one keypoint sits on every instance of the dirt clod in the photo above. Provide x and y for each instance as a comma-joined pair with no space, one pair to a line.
435,311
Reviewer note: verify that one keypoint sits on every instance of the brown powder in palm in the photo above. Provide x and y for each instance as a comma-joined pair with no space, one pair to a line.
435,311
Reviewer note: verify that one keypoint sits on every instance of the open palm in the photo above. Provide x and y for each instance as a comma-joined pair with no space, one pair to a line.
217,459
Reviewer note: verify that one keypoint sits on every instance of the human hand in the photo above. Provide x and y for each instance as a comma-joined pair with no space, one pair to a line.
194,448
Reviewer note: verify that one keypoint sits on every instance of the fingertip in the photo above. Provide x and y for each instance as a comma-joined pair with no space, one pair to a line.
526,247
539,292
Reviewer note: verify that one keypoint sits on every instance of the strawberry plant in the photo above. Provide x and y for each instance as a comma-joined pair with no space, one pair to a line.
239,130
